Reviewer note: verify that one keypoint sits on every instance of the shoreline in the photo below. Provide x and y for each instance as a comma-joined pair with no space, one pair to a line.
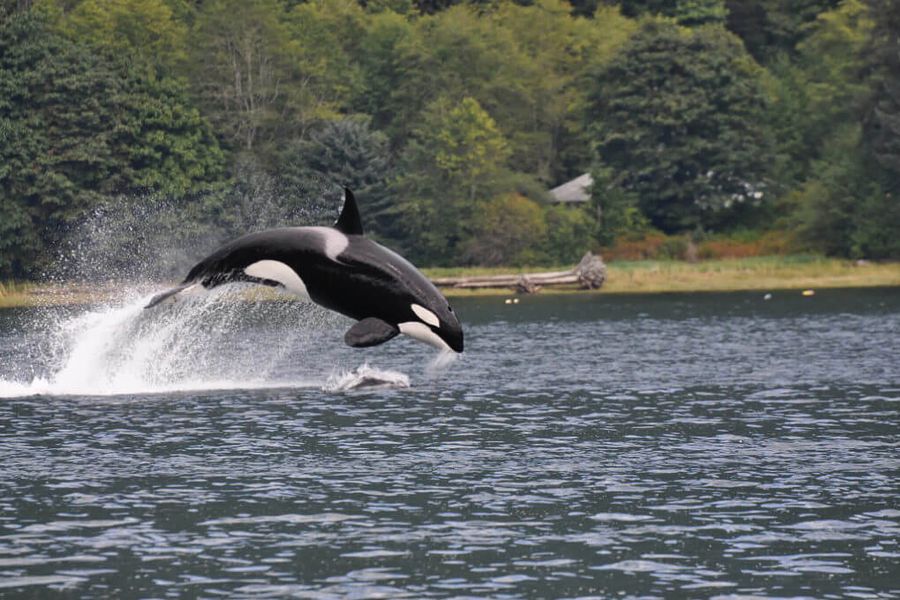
770,273
623,277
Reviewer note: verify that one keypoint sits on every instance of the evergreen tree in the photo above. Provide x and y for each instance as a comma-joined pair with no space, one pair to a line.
640,8
787,22
477,100
770,28
847,209
881,117
77,125
822,87
677,118
343,153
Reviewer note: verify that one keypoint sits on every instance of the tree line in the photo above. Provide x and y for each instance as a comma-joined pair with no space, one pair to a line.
451,120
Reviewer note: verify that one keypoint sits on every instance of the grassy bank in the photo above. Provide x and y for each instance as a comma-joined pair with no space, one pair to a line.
645,276
16,294
757,273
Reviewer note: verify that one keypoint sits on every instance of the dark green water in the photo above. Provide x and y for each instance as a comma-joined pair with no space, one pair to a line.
712,445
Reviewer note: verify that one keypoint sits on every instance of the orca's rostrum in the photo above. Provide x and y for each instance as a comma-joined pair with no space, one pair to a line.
341,270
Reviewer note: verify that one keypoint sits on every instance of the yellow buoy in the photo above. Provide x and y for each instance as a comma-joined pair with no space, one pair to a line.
809,292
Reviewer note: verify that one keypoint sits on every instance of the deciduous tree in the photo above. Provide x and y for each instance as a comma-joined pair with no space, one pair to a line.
511,230
241,55
145,29
456,160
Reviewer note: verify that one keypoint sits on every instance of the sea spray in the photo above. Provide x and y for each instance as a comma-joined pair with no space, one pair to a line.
154,237
223,339
441,363
232,337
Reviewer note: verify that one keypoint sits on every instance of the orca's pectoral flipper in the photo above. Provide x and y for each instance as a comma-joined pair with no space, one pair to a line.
370,332
168,294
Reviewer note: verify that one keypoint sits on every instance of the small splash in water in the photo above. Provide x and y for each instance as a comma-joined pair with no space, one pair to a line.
367,377
441,363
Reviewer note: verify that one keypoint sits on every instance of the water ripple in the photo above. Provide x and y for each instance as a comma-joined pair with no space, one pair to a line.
574,451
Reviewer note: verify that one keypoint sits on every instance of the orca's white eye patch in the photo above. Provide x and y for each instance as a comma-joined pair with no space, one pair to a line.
426,315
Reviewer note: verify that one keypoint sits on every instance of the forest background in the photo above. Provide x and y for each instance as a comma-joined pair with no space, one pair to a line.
759,126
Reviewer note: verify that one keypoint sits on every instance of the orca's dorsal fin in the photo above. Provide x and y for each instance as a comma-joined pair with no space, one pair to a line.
349,222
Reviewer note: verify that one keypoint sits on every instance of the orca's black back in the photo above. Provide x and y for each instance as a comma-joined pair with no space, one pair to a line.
364,280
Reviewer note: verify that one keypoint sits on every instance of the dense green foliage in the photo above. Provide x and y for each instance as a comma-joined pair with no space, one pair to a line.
78,124
451,119
694,150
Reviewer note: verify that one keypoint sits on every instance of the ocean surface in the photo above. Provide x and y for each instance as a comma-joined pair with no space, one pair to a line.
660,446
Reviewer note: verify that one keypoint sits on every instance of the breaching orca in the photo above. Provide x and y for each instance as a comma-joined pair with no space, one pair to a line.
340,269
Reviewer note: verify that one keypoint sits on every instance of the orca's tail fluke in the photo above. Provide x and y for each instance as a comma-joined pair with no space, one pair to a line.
170,294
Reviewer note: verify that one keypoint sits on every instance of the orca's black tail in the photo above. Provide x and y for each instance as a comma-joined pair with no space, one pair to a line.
168,294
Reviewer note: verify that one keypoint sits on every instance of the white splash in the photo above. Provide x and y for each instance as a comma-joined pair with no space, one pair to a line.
366,377
441,363
189,346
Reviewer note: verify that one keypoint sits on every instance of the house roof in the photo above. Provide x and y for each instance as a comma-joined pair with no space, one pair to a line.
577,190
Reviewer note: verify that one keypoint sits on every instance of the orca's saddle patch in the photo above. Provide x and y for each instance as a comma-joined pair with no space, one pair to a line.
370,332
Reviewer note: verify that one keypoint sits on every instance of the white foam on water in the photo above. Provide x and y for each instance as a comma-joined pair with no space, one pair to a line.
365,377
124,349
15,389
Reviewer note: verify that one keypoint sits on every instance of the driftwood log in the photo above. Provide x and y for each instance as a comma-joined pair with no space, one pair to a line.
588,274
